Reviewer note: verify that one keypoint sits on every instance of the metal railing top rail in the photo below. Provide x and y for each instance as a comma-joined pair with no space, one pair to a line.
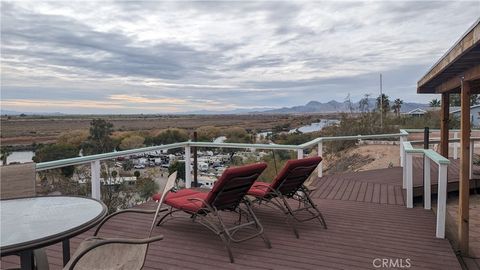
421,130
350,137
434,156
85,159
244,145
437,140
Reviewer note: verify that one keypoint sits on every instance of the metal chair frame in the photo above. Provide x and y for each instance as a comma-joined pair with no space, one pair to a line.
209,216
279,200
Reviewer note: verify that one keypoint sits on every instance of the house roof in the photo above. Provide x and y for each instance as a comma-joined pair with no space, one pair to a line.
417,111
457,109
462,59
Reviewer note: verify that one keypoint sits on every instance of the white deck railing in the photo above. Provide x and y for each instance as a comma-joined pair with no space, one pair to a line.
94,160
442,163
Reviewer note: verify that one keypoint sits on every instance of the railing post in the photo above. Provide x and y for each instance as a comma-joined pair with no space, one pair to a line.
472,145
299,153
409,165
95,174
188,169
427,195
195,161
455,146
402,152
426,138
441,200
320,154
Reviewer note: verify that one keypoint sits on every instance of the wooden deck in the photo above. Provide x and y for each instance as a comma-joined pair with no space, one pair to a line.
453,176
365,213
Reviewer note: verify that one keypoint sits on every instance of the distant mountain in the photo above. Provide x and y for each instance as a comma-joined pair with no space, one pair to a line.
334,106
8,112
236,111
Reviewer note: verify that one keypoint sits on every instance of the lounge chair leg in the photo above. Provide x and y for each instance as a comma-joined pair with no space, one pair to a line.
227,246
320,216
268,244
322,220
295,231
165,216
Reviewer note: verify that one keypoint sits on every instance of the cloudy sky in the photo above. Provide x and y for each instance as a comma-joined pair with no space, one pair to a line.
168,57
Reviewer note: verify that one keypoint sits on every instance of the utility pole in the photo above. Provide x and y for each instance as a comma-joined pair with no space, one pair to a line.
381,102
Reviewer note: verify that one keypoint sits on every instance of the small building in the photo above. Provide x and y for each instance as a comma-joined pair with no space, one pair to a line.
416,112
474,114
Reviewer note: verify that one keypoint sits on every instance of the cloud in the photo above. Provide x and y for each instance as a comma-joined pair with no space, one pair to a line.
180,56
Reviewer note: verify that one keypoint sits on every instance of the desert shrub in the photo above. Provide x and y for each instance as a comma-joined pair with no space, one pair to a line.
207,133
132,142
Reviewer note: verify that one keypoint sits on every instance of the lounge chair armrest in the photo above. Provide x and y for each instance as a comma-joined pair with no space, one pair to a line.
108,241
205,204
141,211
269,188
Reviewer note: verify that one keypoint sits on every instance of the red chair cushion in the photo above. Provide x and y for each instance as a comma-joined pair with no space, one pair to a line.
185,203
284,183
172,195
233,172
292,164
259,189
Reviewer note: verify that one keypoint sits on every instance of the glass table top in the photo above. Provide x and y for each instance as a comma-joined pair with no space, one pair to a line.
29,219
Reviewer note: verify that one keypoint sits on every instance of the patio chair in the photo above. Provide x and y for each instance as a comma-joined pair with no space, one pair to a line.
228,194
18,181
117,253
289,184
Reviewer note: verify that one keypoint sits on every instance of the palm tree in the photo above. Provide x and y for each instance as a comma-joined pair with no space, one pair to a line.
397,105
384,102
435,103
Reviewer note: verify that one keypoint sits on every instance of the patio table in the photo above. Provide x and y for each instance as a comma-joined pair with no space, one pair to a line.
31,223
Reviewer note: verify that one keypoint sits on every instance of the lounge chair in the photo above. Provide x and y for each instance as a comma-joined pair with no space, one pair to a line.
289,184
117,253
228,194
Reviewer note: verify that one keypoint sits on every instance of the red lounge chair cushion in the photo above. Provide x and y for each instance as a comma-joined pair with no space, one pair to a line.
185,203
292,164
287,180
233,172
259,189
172,195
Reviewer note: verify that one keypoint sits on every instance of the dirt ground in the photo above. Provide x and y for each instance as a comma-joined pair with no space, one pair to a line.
363,158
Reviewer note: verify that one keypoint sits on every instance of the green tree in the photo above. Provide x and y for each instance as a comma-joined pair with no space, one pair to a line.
146,188
55,152
127,165
136,174
179,167
397,105
5,152
99,140
434,103
383,103
456,102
